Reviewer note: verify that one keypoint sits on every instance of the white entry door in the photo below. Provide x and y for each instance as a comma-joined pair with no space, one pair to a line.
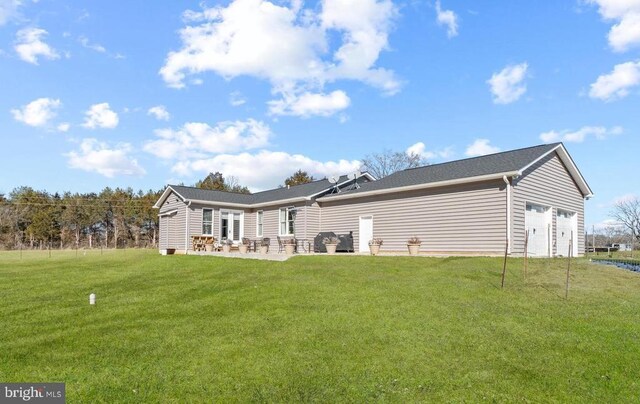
231,225
537,224
565,232
365,233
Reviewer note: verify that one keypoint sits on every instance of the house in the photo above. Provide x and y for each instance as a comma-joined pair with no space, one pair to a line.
469,206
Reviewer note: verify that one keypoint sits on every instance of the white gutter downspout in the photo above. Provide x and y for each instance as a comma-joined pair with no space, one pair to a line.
186,233
506,181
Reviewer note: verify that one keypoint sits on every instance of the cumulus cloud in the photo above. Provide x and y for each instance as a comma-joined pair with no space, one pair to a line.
616,84
625,33
159,112
508,85
109,161
420,149
480,147
246,37
63,127
273,167
309,104
29,45
8,10
196,140
578,136
37,113
447,18
100,116
236,99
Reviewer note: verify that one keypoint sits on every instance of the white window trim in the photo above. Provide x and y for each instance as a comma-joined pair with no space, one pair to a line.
285,210
212,221
258,214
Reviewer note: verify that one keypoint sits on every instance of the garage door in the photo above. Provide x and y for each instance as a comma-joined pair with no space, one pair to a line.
537,223
565,232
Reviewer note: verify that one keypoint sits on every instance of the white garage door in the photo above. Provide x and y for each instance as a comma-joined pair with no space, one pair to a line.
537,222
565,232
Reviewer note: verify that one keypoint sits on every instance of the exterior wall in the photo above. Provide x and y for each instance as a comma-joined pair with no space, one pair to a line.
173,236
313,220
546,183
468,218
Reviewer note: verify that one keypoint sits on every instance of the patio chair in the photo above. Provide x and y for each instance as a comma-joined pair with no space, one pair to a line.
248,243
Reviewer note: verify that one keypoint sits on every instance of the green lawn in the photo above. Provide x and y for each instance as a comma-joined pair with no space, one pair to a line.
318,328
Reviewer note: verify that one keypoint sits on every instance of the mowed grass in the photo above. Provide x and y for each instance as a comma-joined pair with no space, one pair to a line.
318,328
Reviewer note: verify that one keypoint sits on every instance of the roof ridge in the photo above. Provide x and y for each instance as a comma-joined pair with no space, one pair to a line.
484,155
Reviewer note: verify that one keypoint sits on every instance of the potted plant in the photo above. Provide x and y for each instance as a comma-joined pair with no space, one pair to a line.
226,245
374,245
331,243
264,246
413,244
243,247
289,245
208,244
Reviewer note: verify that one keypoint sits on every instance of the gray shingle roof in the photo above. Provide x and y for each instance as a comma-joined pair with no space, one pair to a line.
272,195
508,161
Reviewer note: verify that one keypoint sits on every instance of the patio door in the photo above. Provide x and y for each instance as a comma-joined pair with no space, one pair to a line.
365,233
231,225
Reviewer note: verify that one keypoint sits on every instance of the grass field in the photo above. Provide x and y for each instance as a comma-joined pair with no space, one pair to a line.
318,328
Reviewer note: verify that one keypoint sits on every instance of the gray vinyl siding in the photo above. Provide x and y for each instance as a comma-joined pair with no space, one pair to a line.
174,233
546,183
468,218
250,224
313,220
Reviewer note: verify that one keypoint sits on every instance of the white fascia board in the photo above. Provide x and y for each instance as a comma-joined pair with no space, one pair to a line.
164,196
247,205
224,204
419,186
571,166
281,202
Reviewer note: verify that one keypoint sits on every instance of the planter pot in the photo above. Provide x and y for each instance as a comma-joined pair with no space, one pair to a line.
374,249
413,249
264,249
331,248
208,247
289,249
226,248
243,248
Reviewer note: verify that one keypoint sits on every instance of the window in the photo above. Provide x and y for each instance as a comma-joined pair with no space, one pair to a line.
259,217
287,220
224,225
207,222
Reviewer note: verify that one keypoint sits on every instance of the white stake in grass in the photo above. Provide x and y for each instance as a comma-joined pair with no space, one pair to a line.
92,299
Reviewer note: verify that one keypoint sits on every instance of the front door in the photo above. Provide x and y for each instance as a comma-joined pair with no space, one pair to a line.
365,233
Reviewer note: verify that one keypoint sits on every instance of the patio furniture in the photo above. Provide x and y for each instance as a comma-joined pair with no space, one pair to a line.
249,244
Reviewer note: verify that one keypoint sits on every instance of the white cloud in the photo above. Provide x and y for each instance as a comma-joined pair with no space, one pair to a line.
84,41
197,140
29,45
625,33
159,112
616,84
37,113
480,147
99,157
265,169
507,86
63,127
100,116
448,18
310,104
8,10
421,150
236,99
246,37
599,132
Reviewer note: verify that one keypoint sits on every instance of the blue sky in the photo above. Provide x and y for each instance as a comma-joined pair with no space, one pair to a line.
141,94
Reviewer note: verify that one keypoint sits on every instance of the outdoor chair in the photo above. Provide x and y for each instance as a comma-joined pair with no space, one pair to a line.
280,246
249,244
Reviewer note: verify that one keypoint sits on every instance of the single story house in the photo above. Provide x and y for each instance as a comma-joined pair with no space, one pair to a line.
477,205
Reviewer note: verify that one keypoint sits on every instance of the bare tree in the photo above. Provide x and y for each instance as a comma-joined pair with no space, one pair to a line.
388,162
628,214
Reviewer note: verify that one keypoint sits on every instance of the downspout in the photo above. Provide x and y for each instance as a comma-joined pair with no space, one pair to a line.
506,181
186,233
